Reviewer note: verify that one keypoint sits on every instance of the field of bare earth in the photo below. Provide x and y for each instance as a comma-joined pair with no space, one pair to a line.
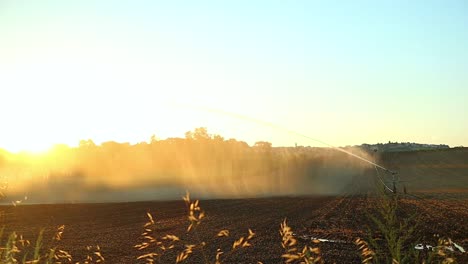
116,227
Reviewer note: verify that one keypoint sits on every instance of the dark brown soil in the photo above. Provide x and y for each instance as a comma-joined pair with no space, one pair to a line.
116,227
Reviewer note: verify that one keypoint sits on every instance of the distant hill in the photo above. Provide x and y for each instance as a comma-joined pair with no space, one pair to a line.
402,146
441,170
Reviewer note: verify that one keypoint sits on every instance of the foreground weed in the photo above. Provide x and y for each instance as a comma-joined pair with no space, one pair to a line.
367,254
392,239
156,245
396,234
19,250
292,254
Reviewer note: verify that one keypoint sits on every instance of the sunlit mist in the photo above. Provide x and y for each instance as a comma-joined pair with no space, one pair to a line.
207,165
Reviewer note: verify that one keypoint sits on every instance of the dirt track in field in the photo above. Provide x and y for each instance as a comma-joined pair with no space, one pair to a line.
116,226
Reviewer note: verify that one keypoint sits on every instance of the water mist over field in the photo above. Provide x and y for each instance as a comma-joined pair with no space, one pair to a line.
207,166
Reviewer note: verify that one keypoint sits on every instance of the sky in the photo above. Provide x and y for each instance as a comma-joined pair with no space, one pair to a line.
343,72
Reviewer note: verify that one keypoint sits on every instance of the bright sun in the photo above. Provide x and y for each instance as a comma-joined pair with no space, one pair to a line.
25,146
33,139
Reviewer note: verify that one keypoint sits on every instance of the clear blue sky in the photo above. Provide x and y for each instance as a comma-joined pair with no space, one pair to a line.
345,72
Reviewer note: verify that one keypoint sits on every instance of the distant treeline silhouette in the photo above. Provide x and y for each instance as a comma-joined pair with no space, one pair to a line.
403,146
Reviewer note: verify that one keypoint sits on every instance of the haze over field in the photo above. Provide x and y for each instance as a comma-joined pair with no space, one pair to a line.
207,165
213,167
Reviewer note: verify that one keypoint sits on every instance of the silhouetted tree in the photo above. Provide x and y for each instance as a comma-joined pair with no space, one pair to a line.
218,138
200,133
263,146
153,139
86,143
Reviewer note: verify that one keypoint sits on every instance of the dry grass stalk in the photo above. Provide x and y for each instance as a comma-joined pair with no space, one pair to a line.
195,214
367,254
160,245
58,234
307,255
